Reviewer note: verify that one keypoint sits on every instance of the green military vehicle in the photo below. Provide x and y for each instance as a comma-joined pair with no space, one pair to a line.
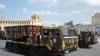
86,38
93,39
39,40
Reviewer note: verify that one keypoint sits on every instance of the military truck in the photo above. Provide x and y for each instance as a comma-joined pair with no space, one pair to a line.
92,37
86,38
39,40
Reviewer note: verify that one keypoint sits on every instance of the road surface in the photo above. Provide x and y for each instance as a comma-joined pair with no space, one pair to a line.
94,51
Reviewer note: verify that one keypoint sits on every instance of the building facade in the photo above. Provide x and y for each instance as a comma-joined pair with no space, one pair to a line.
88,27
81,27
96,19
96,23
70,25
36,20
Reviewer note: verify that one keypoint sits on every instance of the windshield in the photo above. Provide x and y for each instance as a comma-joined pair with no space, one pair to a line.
64,31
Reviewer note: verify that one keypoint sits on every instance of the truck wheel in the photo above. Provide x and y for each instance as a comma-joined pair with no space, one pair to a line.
16,48
44,52
87,45
33,51
9,47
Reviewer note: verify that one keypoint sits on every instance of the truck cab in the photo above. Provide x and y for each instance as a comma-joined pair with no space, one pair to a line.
59,39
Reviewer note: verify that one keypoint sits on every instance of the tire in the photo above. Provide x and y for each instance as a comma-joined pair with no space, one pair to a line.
33,51
16,48
80,44
44,52
9,46
87,45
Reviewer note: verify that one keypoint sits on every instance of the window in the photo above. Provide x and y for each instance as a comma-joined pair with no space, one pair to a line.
3,22
0,22
64,31
6,22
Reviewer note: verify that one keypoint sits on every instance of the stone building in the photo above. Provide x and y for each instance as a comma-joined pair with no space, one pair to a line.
96,23
35,20
70,24
96,19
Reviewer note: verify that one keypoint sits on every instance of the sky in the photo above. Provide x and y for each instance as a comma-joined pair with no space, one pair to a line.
51,11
